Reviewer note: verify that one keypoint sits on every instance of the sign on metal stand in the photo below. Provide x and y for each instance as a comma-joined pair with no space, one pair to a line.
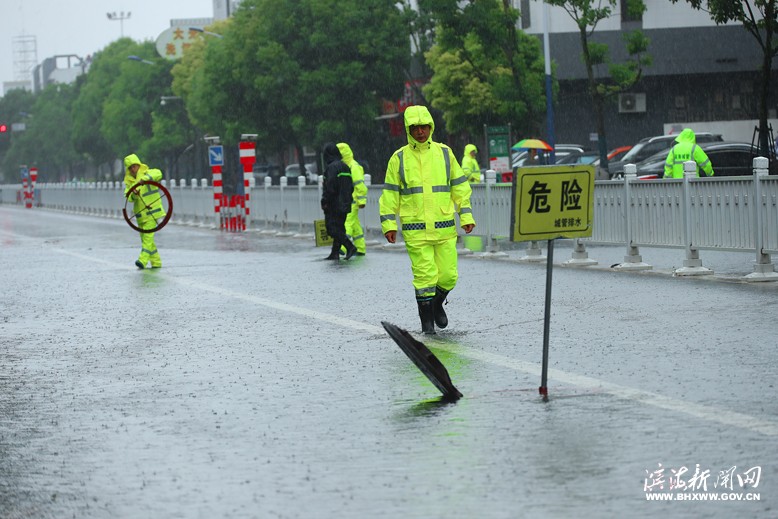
551,202
216,162
498,149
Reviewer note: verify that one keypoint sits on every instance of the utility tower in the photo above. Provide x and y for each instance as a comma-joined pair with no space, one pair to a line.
25,50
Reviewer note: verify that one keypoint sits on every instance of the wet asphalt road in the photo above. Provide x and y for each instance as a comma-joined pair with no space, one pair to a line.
248,378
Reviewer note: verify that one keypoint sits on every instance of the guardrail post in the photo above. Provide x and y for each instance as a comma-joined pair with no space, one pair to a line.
491,244
366,220
300,184
692,265
763,268
267,182
633,260
283,182
533,254
580,258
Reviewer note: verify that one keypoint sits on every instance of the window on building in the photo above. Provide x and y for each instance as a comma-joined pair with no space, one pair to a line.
526,23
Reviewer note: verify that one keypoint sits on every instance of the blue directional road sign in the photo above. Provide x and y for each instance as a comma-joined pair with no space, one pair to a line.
216,155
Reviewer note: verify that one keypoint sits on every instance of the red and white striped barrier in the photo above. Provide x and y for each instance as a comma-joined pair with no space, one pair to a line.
248,157
33,180
26,192
217,193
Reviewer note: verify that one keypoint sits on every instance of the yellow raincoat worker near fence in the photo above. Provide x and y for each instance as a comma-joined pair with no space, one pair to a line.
425,187
686,149
353,226
470,164
147,206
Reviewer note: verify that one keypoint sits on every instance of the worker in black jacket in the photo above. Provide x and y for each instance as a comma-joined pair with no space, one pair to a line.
336,200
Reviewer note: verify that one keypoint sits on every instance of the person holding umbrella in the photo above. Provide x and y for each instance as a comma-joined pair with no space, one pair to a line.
532,146
532,158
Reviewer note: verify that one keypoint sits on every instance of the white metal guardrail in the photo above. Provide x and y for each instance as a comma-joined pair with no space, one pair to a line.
724,213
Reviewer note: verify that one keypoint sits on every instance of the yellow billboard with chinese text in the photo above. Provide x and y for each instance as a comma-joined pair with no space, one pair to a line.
552,202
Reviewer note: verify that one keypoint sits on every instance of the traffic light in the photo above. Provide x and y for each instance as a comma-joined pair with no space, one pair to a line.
5,137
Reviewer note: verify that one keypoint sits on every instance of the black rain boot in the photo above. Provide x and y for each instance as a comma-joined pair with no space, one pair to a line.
437,307
334,253
350,249
425,314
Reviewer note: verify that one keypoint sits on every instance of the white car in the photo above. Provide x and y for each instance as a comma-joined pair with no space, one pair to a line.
293,171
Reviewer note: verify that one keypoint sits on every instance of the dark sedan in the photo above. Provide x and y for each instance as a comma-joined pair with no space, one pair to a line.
729,159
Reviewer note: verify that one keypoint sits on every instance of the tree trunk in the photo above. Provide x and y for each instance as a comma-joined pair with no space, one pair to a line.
598,101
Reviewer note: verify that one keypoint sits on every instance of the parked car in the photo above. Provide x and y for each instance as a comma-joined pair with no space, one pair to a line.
651,145
585,157
292,171
265,170
729,159
618,153
560,151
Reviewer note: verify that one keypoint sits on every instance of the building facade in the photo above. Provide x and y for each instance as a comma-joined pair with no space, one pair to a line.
701,73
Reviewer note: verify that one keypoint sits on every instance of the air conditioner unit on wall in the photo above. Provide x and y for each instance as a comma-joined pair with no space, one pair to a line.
632,103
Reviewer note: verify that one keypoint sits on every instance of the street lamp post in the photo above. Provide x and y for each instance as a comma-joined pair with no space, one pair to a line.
141,60
121,16
163,100
203,31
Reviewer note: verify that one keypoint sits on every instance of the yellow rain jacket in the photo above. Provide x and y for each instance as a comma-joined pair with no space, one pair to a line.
357,175
470,165
686,149
147,201
424,186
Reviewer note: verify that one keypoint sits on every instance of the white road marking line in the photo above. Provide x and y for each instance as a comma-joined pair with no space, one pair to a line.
707,413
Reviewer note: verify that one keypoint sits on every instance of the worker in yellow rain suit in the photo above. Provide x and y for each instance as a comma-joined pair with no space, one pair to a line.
353,226
684,150
470,164
147,206
425,185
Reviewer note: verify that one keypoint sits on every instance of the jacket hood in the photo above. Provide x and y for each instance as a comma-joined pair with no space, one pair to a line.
346,153
469,149
129,160
415,116
331,153
687,135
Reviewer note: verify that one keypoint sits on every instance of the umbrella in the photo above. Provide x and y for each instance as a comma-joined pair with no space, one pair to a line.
535,144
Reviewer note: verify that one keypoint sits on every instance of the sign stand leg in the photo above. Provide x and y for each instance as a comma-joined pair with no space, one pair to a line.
543,389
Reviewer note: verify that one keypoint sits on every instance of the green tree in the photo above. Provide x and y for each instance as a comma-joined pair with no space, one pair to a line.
94,89
760,19
46,141
485,70
118,109
622,76
16,106
420,24
132,102
299,73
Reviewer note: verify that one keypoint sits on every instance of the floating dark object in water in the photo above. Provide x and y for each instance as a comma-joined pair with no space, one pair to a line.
424,359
